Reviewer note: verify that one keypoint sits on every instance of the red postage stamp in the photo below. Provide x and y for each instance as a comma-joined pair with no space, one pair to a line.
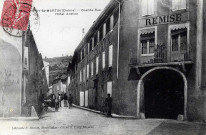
15,15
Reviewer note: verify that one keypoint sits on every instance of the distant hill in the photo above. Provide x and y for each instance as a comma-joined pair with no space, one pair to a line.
57,66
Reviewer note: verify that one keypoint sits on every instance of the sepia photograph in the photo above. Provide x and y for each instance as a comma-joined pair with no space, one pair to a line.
102,67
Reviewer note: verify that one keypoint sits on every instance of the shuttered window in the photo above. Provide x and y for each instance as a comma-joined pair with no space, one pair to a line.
92,68
179,40
104,30
103,60
147,43
26,58
147,7
178,4
87,70
110,55
86,98
80,76
109,88
111,22
81,98
97,64
92,43
84,73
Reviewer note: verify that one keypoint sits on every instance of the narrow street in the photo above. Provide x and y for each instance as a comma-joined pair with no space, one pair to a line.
76,121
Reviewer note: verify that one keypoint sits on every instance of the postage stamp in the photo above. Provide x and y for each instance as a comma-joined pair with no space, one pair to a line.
16,15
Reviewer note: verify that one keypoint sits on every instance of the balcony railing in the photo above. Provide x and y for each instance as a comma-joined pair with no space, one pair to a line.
160,55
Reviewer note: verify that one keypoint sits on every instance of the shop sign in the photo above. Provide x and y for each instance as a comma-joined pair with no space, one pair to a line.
163,19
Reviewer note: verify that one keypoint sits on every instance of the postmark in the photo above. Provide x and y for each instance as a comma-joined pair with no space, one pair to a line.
17,15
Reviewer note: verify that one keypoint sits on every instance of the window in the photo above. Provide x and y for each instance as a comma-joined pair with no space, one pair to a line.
175,43
84,51
101,33
86,98
109,88
110,55
82,54
84,74
103,60
26,58
81,98
68,80
95,39
104,29
87,70
116,16
147,43
111,22
98,37
80,76
108,26
178,4
92,43
147,7
92,68
88,47
97,64
179,40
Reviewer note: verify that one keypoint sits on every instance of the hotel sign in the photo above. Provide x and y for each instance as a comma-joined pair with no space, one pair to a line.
164,19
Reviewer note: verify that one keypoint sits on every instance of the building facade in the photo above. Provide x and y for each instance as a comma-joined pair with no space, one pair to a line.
34,80
10,78
21,80
46,68
59,85
149,55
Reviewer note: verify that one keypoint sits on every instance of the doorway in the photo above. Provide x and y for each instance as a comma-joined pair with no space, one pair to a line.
163,94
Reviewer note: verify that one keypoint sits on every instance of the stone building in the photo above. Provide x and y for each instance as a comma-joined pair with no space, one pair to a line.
34,79
10,78
59,85
149,55
22,80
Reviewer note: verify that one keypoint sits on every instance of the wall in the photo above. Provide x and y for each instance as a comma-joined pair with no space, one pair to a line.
10,80
36,85
125,95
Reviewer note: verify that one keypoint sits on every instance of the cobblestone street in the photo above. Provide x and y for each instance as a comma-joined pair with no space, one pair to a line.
76,121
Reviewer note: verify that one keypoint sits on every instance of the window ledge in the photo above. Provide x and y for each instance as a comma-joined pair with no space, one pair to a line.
150,54
179,10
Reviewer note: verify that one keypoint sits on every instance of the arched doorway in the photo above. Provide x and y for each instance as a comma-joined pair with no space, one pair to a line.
162,93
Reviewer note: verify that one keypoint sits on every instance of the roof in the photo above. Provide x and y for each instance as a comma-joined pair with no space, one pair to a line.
105,13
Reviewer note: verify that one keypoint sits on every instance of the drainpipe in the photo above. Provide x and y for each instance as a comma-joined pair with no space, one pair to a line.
118,38
199,43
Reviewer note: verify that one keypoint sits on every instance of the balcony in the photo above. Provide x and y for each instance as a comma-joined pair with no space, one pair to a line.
159,57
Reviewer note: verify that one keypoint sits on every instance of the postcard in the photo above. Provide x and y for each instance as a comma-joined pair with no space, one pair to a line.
102,67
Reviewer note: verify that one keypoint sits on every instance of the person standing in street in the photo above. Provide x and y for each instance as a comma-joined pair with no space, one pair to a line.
56,103
59,98
70,100
108,104
65,100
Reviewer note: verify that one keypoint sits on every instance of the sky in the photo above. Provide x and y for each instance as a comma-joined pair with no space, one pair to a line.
59,35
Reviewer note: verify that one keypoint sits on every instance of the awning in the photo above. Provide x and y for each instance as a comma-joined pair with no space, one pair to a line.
178,31
147,31
178,27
